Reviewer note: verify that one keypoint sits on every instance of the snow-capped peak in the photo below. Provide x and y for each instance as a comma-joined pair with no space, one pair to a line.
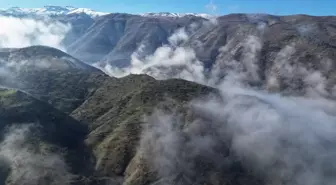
50,11
86,11
168,14
69,10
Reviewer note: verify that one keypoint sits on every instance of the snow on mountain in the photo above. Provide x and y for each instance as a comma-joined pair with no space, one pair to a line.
69,10
168,14
87,11
50,11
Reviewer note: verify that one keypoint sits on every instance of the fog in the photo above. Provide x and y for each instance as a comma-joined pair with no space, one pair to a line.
31,163
169,61
280,133
286,140
24,32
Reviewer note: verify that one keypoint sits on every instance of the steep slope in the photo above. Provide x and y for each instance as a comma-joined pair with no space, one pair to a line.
265,42
50,75
275,31
39,143
98,35
79,25
114,114
278,53
117,108
80,20
113,38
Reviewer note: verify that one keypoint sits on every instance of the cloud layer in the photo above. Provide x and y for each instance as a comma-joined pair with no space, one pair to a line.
29,165
17,33
169,61
286,140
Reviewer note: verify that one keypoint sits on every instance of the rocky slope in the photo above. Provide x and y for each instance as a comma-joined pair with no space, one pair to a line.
100,142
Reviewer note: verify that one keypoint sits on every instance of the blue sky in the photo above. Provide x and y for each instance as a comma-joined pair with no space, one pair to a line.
279,7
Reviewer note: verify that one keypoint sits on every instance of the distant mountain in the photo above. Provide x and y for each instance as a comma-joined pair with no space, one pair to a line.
269,41
168,14
113,38
49,11
69,10
81,20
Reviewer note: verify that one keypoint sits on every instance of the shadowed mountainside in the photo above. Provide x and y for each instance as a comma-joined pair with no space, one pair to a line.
50,75
40,144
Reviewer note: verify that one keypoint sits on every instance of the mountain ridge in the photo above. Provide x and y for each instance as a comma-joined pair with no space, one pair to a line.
50,10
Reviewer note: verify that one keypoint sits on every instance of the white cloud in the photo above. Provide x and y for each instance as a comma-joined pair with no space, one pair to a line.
169,61
284,139
179,36
17,33
29,167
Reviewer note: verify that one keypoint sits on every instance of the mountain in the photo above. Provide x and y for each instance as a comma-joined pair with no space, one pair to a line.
176,15
64,109
69,10
114,138
110,120
49,11
130,32
40,144
112,39
235,99
50,75
81,20
264,41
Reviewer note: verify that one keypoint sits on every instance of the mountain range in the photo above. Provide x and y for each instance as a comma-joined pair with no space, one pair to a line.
68,10
165,98
49,11
113,39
